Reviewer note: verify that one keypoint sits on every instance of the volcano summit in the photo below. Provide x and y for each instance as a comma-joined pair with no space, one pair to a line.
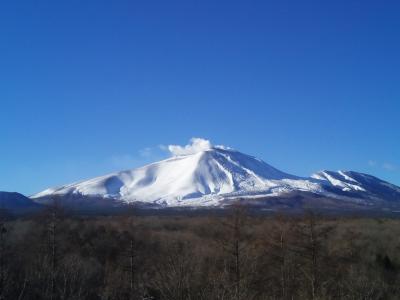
201,174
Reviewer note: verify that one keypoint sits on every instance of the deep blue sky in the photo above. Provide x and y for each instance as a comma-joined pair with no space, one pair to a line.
89,87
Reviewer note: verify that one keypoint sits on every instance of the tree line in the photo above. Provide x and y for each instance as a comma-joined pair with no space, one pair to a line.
236,256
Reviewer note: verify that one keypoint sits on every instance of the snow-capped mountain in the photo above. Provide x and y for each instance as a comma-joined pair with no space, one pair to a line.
360,185
202,178
204,175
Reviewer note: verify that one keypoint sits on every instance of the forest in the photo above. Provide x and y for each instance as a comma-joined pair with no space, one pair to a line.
237,255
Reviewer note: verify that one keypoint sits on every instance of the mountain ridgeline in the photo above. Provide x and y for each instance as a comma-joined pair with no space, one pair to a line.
218,177
17,203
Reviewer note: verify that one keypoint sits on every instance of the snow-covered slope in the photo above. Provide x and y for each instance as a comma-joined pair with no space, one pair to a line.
340,179
359,185
202,178
204,175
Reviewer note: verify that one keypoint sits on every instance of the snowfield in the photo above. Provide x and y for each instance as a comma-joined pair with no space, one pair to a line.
204,175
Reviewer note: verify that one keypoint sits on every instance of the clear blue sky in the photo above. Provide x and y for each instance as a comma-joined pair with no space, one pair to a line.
89,87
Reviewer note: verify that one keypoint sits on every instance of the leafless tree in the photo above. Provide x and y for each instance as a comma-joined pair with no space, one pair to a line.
235,244
278,242
53,216
131,254
310,246
174,273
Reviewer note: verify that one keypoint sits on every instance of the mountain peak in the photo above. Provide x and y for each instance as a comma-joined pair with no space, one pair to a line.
201,174
197,172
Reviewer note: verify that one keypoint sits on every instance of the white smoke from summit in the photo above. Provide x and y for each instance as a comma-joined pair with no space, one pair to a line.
196,145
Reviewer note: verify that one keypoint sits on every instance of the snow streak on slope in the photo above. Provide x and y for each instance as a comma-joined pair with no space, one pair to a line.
339,179
364,185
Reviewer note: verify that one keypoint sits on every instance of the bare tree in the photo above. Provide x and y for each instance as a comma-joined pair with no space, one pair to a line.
131,254
174,273
310,246
53,215
234,243
280,260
